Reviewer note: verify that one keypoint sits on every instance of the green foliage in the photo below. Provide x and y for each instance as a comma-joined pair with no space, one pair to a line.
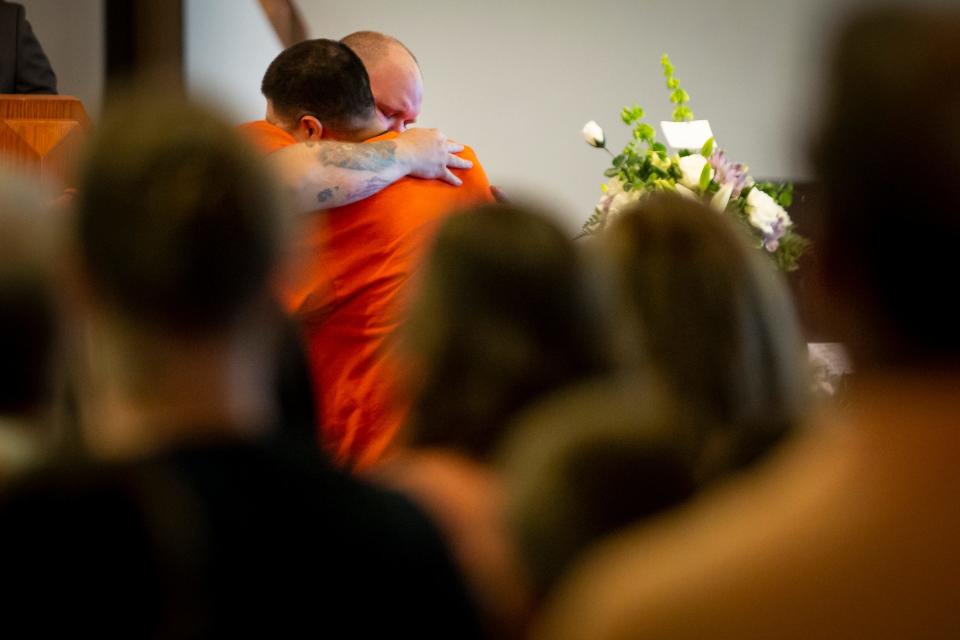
705,177
781,193
645,132
682,114
792,247
631,115
678,96
595,222
645,166
707,149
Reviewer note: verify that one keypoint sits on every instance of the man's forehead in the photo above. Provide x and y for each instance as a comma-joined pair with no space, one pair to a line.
398,60
392,84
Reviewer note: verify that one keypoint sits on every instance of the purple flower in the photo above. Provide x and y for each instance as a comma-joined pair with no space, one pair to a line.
730,173
771,241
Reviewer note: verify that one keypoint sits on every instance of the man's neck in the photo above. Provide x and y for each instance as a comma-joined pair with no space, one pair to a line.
357,135
370,129
176,391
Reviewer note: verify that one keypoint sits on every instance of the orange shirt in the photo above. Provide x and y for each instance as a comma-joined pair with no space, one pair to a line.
348,286
266,137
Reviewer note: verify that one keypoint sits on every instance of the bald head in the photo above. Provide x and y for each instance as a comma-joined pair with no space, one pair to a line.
394,77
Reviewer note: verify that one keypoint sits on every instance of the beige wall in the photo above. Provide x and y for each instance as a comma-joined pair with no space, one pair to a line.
71,32
517,79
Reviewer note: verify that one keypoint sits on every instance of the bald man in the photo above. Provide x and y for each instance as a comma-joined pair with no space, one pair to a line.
395,78
347,171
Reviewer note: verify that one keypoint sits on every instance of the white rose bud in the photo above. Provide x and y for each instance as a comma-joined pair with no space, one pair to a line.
686,193
593,134
623,199
764,212
692,167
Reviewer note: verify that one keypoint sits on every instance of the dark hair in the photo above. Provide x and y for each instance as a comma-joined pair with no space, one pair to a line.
591,460
889,225
502,318
322,78
29,252
712,317
28,336
177,220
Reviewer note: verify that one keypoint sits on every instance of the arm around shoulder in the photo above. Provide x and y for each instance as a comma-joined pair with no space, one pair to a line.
328,174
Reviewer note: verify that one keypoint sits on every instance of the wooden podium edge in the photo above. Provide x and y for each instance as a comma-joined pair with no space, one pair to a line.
43,107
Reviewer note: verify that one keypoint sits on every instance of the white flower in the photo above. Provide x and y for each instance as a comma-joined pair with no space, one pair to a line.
593,134
692,167
622,200
721,198
615,199
686,193
613,186
765,214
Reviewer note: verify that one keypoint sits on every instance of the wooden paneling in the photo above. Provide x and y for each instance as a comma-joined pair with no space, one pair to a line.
41,135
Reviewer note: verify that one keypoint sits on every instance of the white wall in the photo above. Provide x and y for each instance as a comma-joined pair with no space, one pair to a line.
72,33
228,45
516,79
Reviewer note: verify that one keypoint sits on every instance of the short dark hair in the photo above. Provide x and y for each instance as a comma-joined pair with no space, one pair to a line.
322,78
893,83
178,221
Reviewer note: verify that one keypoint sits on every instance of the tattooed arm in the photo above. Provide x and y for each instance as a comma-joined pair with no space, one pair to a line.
327,174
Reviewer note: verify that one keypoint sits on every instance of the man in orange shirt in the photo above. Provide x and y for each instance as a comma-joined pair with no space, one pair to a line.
324,176
348,281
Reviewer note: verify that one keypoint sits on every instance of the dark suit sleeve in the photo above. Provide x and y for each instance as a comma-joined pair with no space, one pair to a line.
34,74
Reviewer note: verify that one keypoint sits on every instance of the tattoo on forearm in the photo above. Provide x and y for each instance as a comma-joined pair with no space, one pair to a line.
374,157
370,187
327,194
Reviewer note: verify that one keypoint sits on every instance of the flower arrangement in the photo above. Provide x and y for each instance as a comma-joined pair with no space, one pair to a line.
700,170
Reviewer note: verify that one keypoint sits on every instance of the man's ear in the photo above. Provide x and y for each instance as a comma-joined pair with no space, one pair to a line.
309,128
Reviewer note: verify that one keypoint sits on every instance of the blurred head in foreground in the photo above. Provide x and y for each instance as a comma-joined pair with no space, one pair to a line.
29,337
712,319
590,461
888,152
502,317
177,231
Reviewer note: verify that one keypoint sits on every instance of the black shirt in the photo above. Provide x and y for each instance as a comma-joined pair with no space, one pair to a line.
223,540
24,67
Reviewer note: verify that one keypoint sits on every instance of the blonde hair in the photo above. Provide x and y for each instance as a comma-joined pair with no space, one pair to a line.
712,317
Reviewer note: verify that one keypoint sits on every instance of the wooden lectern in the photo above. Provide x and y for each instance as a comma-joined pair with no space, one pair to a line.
41,135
